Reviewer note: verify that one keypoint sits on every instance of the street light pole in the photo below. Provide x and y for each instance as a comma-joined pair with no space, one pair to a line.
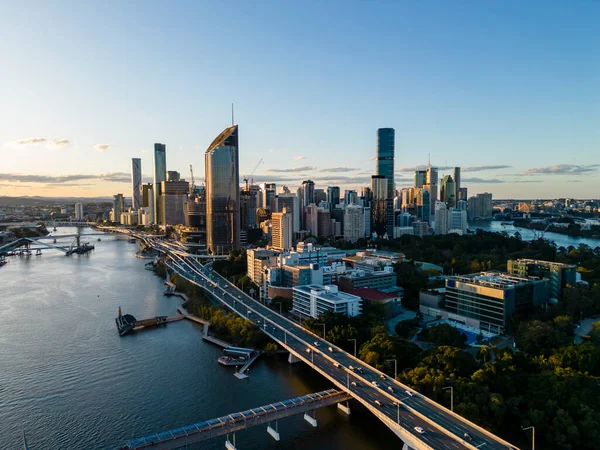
323,329
451,396
532,428
354,346
395,367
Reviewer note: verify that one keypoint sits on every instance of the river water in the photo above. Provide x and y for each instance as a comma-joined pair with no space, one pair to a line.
71,382
562,240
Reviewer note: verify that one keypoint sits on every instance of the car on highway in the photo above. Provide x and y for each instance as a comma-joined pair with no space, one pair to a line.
330,349
374,383
354,384
391,389
351,367
359,370
308,350
382,376
419,430
378,403
395,403
316,344
239,296
468,436
409,393
335,364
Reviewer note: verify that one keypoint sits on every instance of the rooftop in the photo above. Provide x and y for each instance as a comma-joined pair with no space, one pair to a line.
545,263
494,279
330,292
373,295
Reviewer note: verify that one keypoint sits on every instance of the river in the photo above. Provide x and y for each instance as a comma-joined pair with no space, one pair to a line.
562,240
71,382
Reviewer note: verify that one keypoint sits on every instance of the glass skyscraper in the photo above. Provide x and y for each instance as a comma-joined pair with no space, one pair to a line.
223,192
160,175
136,180
385,157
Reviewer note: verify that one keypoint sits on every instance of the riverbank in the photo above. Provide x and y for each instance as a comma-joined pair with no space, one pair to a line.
573,229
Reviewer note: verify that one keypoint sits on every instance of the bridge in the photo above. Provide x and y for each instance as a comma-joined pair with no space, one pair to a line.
27,242
231,423
418,421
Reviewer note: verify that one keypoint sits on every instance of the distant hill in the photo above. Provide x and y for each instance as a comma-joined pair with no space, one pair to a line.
49,201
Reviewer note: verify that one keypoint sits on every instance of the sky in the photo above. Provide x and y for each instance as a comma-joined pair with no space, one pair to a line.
507,90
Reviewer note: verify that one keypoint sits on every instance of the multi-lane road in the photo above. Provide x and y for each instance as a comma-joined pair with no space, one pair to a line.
418,420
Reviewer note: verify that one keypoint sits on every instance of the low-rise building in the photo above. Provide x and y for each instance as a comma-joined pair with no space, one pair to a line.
355,279
259,260
490,298
314,300
391,302
560,275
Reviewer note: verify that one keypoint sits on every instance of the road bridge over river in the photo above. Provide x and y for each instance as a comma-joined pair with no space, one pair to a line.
418,421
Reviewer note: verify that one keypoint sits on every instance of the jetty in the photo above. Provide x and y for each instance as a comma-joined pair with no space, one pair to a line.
127,323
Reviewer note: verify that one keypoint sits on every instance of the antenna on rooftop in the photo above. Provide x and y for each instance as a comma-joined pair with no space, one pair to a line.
232,121
429,159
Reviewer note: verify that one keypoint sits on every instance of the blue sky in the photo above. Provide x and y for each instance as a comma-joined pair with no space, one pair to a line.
508,90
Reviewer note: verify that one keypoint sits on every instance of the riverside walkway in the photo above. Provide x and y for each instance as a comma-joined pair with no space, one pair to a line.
229,424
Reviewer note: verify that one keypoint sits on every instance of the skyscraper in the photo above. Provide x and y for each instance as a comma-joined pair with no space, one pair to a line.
420,178
78,211
354,223
448,191
118,207
136,183
457,181
441,218
385,157
281,230
432,187
221,162
379,206
333,197
160,175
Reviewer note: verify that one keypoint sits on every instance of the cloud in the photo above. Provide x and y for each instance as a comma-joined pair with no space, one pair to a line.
50,143
338,169
29,141
528,181
562,169
481,168
299,158
102,147
114,177
422,167
294,169
481,180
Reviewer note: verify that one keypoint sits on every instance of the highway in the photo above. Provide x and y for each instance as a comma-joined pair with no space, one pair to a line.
403,408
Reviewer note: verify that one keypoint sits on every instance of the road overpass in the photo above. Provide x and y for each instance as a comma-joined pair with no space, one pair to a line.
401,408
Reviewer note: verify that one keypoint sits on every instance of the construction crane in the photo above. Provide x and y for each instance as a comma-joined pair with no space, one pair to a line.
246,177
192,184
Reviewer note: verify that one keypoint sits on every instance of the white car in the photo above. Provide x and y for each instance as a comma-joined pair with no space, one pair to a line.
308,350
374,383
316,344
391,389
335,364
378,403
353,383
382,376
409,393
330,349
419,430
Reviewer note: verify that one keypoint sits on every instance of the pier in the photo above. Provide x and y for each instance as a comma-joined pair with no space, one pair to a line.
127,323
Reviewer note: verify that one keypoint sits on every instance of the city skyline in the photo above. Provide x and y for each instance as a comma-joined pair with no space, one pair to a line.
488,89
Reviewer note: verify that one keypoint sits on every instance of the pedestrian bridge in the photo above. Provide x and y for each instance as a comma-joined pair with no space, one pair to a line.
229,424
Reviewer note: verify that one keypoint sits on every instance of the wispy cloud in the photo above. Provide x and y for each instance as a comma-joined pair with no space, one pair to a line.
293,169
299,158
49,143
562,169
338,169
114,177
102,147
422,167
482,168
481,180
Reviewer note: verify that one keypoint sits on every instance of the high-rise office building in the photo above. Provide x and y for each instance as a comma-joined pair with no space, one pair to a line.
291,202
379,186
173,202
223,192
441,218
423,205
160,175
448,191
173,175
78,211
333,197
320,196
311,219
385,158
281,230
118,207
457,221
136,183
354,223
456,177
420,178
461,194
324,223
268,191
350,196
432,186
306,194
480,206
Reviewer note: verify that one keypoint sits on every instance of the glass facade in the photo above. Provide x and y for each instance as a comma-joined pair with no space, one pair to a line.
385,157
222,192
160,175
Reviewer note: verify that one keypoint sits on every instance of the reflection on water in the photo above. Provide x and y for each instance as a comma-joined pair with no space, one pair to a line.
73,383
